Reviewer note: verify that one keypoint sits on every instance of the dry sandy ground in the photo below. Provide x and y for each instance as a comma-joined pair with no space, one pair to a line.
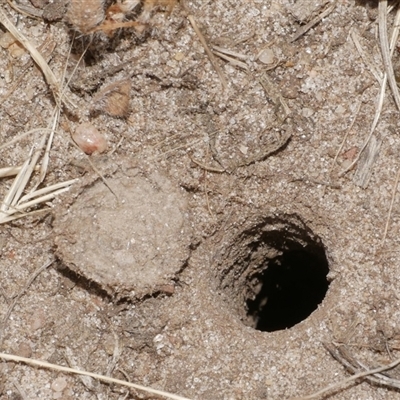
228,249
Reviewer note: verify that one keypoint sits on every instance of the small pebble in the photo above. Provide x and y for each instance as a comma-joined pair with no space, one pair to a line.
267,56
244,149
59,384
179,56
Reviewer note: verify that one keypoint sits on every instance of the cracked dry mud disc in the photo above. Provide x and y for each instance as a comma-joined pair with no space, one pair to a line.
130,246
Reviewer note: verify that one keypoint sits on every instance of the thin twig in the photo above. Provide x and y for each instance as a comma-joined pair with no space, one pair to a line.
301,31
55,367
342,354
352,364
102,177
208,51
207,168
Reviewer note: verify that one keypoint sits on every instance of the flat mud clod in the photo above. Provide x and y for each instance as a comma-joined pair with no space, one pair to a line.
131,246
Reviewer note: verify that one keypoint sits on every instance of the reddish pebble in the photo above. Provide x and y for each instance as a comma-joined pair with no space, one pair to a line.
89,139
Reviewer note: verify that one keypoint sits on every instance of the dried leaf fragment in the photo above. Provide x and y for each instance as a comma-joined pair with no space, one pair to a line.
114,99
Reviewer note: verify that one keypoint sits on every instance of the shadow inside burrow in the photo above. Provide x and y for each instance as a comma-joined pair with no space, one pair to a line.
292,287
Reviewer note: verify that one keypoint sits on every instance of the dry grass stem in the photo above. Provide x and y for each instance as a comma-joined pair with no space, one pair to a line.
366,162
116,147
233,61
208,51
235,54
374,124
11,194
22,179
11,171
23,135
46,155
54,367
76,65
48,190
386,50
381,97
366,58
27,10
11,209
14,203
35,54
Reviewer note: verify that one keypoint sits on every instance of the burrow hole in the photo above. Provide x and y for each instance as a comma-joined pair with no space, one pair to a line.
275,273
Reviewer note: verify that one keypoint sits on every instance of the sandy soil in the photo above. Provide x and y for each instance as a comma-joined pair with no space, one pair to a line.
227,251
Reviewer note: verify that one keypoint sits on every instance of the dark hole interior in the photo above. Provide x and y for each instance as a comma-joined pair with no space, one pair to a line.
291,286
